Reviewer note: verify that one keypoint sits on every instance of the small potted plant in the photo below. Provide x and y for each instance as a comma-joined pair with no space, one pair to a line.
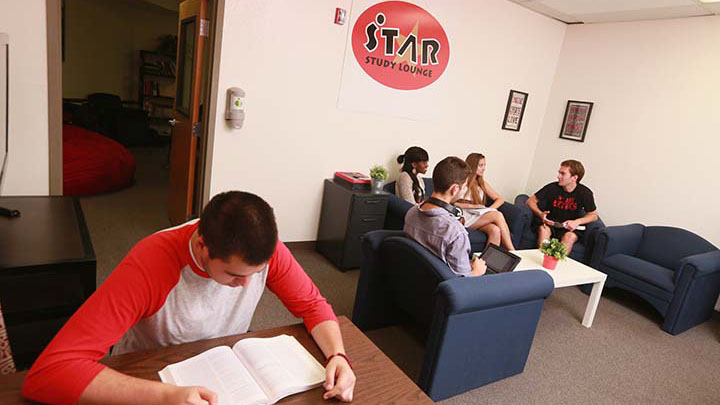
378,174
554,251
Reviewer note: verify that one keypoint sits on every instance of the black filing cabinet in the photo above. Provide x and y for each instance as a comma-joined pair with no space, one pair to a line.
346,215
47,270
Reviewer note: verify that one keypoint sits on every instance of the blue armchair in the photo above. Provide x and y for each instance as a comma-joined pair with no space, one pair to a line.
582,249
479,329
676,271
518,219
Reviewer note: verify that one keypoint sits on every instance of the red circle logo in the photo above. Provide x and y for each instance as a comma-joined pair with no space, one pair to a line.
400,45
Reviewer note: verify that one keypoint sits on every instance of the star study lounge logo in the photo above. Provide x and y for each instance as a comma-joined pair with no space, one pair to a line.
400,45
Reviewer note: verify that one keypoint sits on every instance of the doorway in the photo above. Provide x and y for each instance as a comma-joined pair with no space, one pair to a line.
141,76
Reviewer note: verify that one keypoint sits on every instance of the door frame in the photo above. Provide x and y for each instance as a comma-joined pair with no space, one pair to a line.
54,67
53,20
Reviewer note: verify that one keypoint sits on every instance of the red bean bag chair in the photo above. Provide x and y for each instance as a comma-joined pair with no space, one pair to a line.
94,164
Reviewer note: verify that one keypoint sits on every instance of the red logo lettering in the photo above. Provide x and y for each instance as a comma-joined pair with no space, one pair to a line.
400,45
565,204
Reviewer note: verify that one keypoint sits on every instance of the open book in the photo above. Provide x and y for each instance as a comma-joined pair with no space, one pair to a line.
254,371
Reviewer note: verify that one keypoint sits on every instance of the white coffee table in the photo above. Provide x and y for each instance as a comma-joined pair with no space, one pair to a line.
567,273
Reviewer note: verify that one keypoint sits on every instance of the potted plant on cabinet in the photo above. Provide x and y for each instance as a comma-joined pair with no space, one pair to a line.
378,174
554,251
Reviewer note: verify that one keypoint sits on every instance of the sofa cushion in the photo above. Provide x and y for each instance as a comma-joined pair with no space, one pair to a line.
642,270
666,246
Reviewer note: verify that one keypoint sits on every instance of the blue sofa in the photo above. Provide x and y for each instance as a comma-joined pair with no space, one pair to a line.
479,329
518,219
674,270
582,249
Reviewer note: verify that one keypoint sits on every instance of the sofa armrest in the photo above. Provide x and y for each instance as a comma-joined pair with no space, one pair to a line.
492,318
520,203
468,294
594,226
697,285
700,265
518,218
521,199
613,240
591,232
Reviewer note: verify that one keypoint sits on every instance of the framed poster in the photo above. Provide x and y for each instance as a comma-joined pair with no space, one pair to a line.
514,110
575,123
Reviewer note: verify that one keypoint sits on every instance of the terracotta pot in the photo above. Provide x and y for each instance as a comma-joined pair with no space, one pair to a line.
549,262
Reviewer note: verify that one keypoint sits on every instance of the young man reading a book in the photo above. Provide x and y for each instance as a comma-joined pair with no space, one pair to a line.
559,206
199,280
436,225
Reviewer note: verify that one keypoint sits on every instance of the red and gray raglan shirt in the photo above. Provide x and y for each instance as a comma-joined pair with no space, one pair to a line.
159,296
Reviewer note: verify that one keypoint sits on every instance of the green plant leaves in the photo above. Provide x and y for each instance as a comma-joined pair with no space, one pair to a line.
554,248
378,172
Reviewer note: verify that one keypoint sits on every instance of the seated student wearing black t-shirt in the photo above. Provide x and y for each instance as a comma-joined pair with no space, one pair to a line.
558,207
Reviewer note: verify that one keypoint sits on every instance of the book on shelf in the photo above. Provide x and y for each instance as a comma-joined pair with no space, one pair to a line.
256,371
151,88
159,67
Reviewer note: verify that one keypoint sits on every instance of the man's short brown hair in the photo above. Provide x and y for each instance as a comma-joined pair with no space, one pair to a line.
576,168
449,171
236,223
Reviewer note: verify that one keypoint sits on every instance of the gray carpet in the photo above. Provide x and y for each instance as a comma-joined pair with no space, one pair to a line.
118,220
623,358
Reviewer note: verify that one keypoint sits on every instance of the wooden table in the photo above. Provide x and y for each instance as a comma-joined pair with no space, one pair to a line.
379,380
568,273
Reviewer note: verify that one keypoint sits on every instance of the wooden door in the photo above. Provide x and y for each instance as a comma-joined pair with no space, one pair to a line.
193,28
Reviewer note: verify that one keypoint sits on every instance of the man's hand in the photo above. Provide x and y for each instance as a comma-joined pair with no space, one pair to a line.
192,396
478,266
339,380
112,387
545,220
571,225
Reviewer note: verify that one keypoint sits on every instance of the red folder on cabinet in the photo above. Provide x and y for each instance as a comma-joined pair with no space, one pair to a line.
354,180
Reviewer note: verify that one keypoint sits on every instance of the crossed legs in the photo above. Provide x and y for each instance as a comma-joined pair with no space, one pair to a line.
568,239
494,225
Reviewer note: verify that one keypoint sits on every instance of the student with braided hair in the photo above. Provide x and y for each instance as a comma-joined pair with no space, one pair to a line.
409,185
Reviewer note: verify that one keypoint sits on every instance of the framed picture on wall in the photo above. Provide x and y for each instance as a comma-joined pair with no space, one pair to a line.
575,123
514,110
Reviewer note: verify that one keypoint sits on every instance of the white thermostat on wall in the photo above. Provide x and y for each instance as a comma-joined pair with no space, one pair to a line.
235,109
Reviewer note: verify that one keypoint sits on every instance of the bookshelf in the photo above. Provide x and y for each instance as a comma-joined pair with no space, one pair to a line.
157,88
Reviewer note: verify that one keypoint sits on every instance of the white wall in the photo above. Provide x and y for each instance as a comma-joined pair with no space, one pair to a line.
288,55
102,40
27,166
651,149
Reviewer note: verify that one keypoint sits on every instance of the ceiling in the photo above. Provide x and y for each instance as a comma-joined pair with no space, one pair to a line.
601,11
584,11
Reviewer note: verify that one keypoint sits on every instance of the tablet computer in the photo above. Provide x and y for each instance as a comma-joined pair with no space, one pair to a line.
499,260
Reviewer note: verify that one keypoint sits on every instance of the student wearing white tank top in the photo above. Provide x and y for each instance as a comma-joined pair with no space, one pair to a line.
474,196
